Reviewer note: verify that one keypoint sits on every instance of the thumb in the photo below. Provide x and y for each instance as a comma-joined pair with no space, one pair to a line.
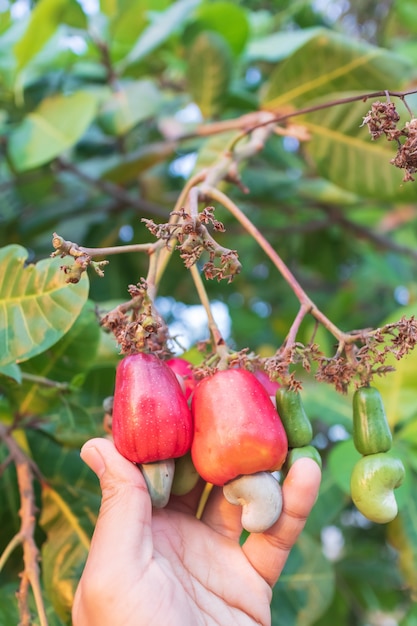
125,514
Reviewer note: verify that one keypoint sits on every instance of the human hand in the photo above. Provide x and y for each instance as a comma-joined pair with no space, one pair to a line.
155,567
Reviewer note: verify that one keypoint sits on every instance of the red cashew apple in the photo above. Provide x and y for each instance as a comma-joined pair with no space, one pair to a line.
151,418
237,429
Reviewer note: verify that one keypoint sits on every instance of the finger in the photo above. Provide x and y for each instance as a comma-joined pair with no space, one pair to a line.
269,551
124,519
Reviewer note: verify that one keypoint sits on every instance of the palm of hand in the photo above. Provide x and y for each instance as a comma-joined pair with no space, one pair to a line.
154,568
199,577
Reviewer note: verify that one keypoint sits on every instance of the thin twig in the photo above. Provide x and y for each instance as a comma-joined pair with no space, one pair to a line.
218,340
285,272
30,577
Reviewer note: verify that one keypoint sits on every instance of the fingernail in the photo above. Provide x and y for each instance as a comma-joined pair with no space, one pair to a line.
92,457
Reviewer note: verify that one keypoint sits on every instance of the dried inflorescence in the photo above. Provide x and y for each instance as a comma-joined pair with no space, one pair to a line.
136,324
406,157
361,356
382,119
193,239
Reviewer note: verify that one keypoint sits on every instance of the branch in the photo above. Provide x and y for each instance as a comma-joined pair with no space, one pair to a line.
307,304
331,103
30,577
362,232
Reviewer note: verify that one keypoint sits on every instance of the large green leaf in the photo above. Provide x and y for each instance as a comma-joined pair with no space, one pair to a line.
37,306
278,46
164,24
66,361
128,20
70,501
45,19
344,153
223,18
72,424
132,103
209,71
330,63
56,125
67,518
305,587
127,167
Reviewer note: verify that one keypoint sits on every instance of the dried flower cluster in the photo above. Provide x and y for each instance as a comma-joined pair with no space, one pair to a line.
382,119
136,324
357,361
193,239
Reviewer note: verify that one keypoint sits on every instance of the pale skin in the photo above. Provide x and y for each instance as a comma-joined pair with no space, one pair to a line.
151,567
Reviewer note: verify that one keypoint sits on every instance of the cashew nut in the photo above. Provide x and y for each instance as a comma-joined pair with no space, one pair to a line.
260,498
372,485
158,477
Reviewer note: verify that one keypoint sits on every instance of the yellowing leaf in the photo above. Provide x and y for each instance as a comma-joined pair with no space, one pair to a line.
37,306
56,125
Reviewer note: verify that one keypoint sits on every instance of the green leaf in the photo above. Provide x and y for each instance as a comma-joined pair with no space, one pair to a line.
405,10
344,153
56,125
330,503
225,19
402,533
331,63
209,72
129,166
164,25
305,587
341,461
128,21
71,357
71,424
132,103
45,19
279,45
11,370
37,306
9,613
67,519
9,500
70,501
325,404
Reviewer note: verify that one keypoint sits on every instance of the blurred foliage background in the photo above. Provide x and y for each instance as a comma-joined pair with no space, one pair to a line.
102,106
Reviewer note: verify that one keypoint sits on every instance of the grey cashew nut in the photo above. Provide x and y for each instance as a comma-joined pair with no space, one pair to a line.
158,477
260,497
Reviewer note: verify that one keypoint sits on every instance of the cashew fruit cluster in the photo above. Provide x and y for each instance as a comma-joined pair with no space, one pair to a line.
377,473
228,433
